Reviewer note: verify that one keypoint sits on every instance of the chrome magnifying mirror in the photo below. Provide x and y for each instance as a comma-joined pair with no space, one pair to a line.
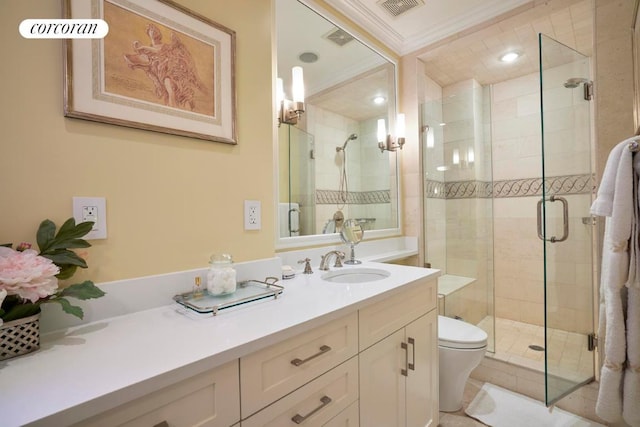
352,233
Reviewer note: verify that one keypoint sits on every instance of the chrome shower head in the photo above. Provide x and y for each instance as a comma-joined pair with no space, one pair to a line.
574,82
349,138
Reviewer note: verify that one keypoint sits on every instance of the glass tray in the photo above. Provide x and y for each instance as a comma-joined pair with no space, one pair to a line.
246,292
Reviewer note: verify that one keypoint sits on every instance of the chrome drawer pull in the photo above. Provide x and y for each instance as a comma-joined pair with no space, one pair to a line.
323,349
412,365
299,419
405,347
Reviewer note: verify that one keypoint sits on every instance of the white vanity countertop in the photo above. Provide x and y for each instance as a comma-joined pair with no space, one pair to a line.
84,370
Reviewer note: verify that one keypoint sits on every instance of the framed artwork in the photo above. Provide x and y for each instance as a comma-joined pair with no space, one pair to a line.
161,67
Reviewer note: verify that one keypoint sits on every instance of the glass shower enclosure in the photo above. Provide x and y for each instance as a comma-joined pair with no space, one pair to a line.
508,183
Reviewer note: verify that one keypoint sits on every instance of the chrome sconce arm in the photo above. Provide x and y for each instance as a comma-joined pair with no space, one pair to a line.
388,142
391,144
290,112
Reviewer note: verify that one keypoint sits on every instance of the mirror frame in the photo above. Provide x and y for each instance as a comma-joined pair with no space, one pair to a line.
287,243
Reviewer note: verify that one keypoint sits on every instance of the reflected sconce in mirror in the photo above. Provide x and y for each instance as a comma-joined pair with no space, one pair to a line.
388,142
289,111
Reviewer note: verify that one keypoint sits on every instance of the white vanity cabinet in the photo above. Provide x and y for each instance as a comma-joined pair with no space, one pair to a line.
398,359
211,399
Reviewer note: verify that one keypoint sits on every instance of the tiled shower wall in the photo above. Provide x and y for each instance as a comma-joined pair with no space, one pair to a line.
458,229
368,170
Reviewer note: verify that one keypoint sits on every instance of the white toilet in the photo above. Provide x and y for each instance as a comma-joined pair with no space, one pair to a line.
461,347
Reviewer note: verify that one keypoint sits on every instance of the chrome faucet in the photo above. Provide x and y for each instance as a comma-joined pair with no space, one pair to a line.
324,262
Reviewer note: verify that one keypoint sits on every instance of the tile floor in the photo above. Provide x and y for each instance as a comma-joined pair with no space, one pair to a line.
459,418
568,354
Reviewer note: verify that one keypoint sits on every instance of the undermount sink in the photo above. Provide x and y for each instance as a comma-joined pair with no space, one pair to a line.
355,275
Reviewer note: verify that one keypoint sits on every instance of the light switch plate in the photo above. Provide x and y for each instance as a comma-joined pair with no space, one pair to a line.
92,209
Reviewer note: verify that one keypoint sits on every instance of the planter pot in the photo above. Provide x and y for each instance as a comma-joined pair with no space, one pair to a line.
20,336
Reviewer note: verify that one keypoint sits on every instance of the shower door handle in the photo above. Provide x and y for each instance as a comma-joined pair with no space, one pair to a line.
293,210
565,219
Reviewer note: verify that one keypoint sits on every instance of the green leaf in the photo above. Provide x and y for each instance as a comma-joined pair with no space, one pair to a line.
66,271
83,291
7,245
46,234
67,307
70,230
61,257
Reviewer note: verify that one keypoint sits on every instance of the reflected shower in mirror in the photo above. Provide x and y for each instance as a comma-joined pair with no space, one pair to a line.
330,167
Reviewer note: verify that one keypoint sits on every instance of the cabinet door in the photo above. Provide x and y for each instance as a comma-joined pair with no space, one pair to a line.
382,386
422,384
395,311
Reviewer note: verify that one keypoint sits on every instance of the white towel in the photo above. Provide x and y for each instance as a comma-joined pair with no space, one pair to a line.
603,205
631,390
616,201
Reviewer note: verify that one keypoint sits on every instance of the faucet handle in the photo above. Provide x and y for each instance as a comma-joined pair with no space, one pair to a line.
307,265
339,257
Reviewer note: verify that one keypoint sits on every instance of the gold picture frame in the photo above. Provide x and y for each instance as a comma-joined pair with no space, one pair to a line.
161,67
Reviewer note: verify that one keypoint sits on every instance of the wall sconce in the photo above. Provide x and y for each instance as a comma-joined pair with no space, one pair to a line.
289,111
386,141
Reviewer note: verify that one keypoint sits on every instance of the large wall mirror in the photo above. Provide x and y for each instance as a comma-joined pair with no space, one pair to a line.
329,163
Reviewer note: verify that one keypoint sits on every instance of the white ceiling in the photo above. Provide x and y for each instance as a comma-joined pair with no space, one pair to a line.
424,24
457,40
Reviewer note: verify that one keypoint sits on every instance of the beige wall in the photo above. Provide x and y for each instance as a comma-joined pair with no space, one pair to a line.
171,201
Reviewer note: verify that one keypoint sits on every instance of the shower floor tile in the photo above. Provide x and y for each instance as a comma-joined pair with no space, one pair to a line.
568,356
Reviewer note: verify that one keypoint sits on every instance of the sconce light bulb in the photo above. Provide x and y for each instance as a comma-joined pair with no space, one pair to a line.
298,84
456,156
382,131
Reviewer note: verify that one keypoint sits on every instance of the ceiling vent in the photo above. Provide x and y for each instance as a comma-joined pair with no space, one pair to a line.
339,37
398,7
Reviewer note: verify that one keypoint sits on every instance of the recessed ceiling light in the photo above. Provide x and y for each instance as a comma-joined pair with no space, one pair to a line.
379,100
509,57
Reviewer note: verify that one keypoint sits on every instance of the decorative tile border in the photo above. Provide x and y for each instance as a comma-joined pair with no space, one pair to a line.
332,197
568,184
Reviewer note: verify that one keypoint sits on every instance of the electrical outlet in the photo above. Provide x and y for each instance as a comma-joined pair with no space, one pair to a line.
92,209
252,217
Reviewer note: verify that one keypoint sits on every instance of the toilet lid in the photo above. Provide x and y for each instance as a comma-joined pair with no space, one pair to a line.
455,333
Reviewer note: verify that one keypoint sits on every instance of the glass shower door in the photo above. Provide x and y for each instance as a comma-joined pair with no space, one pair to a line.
301,212
564,221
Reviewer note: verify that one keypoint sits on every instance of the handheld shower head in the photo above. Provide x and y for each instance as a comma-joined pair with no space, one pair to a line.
349,138
574,82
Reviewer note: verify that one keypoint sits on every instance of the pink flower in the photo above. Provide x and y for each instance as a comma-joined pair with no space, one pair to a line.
27,274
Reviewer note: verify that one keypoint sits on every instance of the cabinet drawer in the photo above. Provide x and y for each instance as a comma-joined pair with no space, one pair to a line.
210,399
275,371
350,417
385,317
315,403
